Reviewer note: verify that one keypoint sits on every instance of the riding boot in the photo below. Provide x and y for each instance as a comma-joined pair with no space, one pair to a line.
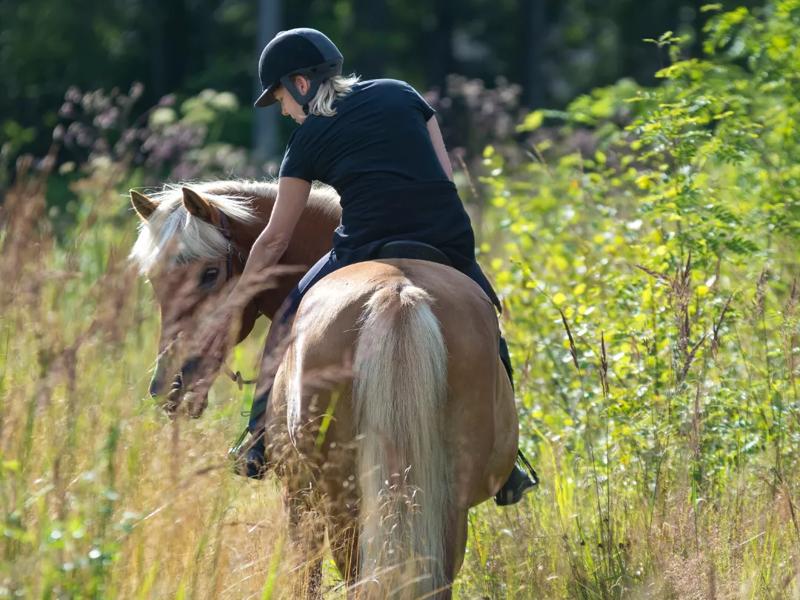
519,482
250,458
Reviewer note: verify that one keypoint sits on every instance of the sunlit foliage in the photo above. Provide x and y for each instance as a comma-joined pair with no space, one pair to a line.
649,264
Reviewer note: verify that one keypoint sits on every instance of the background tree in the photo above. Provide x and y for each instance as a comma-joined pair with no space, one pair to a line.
554,50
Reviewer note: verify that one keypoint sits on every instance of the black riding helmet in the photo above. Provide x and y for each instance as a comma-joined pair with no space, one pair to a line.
301,51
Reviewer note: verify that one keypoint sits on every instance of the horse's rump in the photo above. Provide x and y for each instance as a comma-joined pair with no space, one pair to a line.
425,406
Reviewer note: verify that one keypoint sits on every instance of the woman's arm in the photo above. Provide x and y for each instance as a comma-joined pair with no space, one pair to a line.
438,146
265,253
274,239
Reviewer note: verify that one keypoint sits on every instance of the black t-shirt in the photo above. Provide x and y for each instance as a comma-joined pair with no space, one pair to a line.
378,155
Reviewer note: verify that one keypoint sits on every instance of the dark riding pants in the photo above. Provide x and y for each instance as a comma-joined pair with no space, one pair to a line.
325,266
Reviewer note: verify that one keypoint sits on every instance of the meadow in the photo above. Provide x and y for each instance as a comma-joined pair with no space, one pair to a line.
645,244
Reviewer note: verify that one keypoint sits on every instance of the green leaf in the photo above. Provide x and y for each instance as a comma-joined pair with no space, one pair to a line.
532,121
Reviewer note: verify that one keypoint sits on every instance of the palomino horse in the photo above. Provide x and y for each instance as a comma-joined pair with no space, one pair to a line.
391,413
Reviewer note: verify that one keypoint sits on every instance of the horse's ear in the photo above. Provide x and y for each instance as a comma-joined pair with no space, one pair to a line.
197,205
143,206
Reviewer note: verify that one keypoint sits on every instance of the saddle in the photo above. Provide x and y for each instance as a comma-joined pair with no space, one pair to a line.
416,250
423,251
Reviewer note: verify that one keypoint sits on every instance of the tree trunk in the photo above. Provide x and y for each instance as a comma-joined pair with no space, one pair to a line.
265,122
370,27
534,29
439,59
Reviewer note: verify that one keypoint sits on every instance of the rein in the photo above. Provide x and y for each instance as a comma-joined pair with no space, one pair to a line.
237,378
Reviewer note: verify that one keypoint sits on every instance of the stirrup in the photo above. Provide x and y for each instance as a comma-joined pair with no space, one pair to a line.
518,483
516,486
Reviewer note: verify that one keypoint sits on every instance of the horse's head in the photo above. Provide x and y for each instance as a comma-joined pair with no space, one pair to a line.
187,247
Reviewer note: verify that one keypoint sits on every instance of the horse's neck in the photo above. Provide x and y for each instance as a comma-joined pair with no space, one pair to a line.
311,239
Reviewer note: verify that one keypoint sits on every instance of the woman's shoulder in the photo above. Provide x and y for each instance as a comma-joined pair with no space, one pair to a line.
385,84
386,90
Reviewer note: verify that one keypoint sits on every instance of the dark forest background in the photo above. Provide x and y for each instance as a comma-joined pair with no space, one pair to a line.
554,50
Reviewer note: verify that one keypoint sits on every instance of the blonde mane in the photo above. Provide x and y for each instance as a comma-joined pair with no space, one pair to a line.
172,233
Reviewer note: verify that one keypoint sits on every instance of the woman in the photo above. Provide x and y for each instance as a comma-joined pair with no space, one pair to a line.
379,145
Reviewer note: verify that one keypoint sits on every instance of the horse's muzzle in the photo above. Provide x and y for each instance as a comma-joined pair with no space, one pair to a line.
175,393
195,404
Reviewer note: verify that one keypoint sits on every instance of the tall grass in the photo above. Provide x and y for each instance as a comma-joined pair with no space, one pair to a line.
103,496
648,258
652,302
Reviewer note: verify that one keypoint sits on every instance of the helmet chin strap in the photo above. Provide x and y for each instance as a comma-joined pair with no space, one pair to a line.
302,99
316,76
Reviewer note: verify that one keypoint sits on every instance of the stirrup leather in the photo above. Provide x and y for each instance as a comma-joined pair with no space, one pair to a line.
528,467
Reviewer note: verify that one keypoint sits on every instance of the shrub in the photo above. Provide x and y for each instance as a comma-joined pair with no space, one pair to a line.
648,262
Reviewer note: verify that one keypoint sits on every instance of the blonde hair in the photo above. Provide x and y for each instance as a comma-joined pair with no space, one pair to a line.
330,91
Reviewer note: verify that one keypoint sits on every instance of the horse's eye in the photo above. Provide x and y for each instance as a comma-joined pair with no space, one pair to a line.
208,277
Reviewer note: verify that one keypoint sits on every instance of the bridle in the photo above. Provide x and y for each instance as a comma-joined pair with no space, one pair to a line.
231,251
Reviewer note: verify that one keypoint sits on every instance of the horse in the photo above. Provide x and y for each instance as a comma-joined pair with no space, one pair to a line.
391,413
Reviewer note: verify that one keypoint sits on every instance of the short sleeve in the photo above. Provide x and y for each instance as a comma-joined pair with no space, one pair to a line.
296,160
419,102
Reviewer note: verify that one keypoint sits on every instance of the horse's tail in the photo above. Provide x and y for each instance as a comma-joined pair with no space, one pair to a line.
400,394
